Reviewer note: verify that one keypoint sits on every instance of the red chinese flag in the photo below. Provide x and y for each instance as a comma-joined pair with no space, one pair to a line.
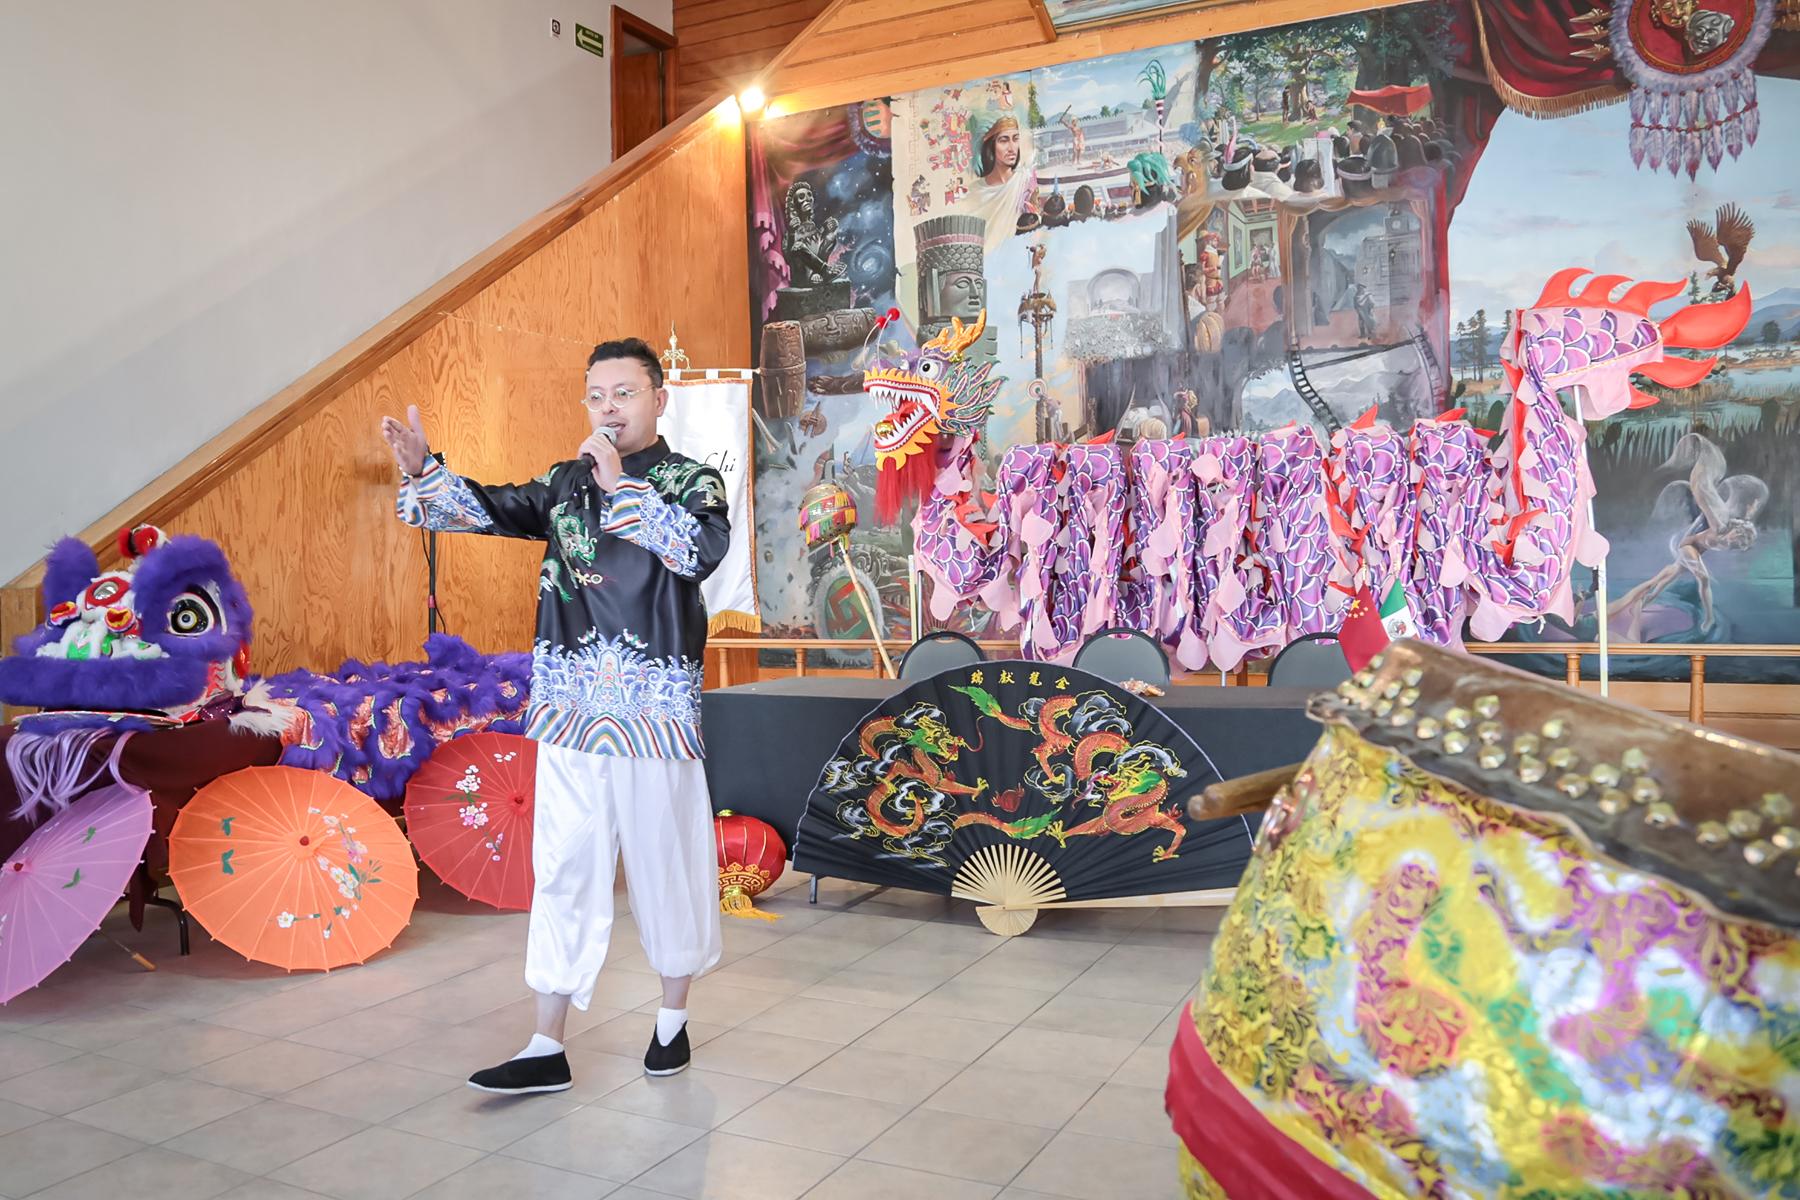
1362,636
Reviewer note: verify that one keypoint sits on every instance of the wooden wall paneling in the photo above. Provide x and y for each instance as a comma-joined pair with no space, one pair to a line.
234,449
304,503
735,19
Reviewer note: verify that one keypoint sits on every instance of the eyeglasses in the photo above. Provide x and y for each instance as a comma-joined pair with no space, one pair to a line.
596,400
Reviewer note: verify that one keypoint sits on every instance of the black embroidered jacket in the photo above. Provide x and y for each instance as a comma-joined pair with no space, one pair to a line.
621,630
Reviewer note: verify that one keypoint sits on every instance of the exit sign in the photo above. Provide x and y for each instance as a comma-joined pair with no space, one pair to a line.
590,41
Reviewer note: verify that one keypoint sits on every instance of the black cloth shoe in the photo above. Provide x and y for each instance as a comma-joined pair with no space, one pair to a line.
671,1059
523,1076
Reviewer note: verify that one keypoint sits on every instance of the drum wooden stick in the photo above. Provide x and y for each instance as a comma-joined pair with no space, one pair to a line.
1243,794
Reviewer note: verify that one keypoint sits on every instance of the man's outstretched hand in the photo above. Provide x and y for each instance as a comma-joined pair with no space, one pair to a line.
406,441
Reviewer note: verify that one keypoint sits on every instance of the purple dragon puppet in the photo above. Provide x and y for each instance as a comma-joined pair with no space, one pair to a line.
1240,545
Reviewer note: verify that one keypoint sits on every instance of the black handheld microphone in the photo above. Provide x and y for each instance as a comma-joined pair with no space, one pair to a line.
607,432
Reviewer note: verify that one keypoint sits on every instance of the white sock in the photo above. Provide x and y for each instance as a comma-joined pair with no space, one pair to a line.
539,1046
668,1023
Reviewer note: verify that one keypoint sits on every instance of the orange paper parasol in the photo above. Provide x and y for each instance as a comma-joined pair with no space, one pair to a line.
293,868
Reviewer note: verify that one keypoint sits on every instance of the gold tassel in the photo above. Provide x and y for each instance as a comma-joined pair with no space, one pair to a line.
734,903
732,619
1543,107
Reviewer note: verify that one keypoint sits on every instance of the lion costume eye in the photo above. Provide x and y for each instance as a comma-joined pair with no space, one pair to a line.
929,368
193,614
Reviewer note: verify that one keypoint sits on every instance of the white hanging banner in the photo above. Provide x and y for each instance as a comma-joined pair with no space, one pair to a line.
708,419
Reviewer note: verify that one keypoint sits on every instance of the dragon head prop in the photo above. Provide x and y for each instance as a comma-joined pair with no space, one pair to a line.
1595,344
937,392
162,639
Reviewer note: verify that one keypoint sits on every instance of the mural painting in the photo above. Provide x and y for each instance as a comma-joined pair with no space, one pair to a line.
1281,226
1696,493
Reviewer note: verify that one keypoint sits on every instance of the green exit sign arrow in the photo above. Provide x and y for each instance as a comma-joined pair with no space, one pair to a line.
590,41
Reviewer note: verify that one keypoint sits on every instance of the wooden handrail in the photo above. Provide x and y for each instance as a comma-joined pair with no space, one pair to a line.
177,489
1572,652
1578,649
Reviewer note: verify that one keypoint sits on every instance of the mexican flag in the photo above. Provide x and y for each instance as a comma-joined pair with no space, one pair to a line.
1369,626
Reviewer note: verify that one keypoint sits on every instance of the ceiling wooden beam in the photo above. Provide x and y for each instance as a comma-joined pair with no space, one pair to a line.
809,76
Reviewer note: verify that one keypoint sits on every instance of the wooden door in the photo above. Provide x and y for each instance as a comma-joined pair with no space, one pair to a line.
643,80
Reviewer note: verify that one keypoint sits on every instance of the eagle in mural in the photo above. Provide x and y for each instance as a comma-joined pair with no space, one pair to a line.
1723,244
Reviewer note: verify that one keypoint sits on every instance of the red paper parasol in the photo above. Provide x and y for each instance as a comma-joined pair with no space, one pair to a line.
469,812
57,887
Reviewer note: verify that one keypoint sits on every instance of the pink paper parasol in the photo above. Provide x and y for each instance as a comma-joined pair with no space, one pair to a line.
57,887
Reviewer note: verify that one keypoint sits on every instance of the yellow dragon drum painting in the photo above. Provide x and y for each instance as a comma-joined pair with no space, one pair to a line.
1502,939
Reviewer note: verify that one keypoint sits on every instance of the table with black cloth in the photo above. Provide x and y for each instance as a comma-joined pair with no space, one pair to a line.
767,742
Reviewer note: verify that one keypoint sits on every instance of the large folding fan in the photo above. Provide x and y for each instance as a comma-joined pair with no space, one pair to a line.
1018,784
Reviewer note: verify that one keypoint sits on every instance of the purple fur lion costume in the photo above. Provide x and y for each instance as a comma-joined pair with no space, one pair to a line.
163,642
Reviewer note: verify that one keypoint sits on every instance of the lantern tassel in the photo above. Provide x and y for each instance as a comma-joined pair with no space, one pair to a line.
735,903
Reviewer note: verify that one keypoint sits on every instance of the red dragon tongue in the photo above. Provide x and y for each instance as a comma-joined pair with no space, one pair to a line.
894,486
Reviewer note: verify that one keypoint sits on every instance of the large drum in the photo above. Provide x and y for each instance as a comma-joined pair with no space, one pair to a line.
1502,939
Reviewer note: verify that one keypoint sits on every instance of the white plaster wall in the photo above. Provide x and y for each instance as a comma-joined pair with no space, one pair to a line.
201,199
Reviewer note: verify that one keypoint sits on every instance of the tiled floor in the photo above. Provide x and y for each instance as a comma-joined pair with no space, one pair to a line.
877,1046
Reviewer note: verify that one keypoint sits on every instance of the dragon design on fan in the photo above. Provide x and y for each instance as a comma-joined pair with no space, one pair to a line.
938,401
1129,791
902,761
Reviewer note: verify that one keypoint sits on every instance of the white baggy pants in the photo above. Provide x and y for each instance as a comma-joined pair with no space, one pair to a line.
589,809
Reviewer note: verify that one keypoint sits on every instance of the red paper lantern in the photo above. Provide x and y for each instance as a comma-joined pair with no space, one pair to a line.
751,857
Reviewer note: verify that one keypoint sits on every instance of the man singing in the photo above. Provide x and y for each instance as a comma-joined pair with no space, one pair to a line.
629,531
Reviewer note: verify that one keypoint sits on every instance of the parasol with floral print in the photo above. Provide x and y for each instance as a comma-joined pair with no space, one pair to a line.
469,813
57,887
293,868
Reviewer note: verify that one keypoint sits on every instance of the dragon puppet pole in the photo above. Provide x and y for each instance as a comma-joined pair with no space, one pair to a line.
843,545
1600,609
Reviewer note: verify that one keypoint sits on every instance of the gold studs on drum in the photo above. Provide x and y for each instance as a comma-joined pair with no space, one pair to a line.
1487,706
1526,743
1491,757
1427,729
1532,770
1777,807
1572,785
1555,728
1612,802
1711,834
1644,790
1458,718
1456,741
1661,815
1635,761
1604,774
1743,823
